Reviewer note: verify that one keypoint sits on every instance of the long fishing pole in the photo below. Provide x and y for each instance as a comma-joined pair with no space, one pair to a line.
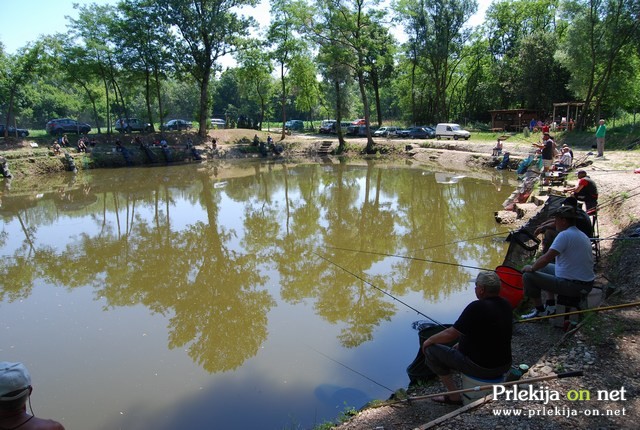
409,258
347,367
488,386
603,308
434,261
463,240
379,289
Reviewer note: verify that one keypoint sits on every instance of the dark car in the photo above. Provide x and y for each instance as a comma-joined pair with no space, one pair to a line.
326,126
430,131
67,125
177,124
16,132
294,124
415,133
132,124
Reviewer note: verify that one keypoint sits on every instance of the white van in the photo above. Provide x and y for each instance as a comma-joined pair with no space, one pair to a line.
450,130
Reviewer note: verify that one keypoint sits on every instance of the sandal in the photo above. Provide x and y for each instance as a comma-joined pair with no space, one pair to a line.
446,400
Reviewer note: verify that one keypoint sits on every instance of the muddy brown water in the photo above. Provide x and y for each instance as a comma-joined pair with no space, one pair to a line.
191,296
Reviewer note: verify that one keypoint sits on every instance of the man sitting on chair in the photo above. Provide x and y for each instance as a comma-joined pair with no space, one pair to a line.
572,274
483,332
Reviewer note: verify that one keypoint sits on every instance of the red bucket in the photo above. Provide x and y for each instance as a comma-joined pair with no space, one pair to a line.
511,284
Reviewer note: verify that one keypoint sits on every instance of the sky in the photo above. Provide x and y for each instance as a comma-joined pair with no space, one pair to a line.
34,18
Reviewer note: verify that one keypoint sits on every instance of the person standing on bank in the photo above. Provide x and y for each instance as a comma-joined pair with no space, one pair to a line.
15,390
483,332
601,131
572,274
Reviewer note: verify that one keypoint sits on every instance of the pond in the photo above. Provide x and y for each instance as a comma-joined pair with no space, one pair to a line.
236,296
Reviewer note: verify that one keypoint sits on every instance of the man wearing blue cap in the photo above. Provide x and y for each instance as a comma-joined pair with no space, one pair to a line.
15,390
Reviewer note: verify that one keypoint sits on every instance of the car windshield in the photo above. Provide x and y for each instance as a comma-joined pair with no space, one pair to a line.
456,127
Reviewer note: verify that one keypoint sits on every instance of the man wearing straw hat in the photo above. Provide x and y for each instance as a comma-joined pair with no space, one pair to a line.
483,332
572,274
15,390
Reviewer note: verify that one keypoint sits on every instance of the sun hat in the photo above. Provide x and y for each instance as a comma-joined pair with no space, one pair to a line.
13,377
565,212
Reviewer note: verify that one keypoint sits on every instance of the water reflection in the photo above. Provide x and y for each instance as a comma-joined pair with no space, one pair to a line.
220,252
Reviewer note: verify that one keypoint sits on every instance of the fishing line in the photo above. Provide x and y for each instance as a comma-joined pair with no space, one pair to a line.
379,289
428,261
465,240
410,258
347,367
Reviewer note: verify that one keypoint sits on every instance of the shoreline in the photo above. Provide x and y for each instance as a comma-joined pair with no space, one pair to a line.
608,350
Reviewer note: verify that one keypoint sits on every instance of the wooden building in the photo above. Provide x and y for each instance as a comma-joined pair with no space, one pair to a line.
513,119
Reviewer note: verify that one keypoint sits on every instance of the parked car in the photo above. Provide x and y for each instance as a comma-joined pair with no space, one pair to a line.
358,130
414,133
294,124
218,123
430,131
12,131
343,126
386,131
132,124
360,121
67,125
177,124
450,130
326,126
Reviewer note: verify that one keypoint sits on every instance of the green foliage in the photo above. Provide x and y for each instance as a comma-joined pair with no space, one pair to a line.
153,59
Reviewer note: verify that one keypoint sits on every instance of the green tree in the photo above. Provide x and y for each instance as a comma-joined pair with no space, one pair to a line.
599,31
286,44
436,44
205,31
140,36
522,38
16,72
255,72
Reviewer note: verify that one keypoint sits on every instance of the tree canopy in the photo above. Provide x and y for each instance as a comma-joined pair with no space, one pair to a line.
339,59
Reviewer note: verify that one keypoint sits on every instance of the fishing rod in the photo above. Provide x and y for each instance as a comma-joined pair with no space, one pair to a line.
349,368
379,289
464,240
409,258
497,271
603,308
487,387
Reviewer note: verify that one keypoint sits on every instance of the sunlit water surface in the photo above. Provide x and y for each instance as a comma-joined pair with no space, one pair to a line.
201,296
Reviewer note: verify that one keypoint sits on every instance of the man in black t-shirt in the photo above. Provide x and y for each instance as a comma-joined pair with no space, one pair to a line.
483,332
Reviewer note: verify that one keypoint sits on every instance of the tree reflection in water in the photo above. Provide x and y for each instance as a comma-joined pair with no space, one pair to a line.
215,261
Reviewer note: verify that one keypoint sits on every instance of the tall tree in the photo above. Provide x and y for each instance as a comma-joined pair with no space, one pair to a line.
92,27
522,37
351,22
286,44
140,36
597,36
437,42
255,72
18,70
205,31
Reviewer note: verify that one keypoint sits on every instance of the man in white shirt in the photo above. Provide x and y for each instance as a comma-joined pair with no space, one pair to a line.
572,274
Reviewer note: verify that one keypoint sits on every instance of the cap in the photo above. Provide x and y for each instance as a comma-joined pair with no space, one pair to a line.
13,377
565,212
